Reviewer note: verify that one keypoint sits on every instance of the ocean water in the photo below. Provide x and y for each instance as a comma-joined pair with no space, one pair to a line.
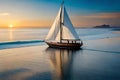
24,56
11,37
14,34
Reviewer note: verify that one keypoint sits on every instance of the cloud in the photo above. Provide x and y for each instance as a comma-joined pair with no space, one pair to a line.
103,16
97,19
4,14
34,23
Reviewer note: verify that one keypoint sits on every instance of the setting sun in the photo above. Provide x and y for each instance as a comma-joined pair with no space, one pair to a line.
11,26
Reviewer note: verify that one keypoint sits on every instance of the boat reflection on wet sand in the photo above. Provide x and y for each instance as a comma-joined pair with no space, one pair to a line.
61,60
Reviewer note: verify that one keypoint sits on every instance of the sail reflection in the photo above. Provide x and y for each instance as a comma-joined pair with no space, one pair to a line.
62,63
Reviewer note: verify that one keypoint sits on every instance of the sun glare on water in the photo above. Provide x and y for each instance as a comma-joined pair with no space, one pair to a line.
11,26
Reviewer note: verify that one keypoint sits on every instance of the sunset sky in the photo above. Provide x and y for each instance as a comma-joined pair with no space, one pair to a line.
41,13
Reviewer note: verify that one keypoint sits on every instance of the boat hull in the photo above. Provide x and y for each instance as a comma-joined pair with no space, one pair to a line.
64,45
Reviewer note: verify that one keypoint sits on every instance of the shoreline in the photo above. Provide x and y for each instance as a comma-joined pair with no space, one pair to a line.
88,44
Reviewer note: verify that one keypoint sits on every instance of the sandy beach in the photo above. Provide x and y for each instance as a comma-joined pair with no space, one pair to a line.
98,60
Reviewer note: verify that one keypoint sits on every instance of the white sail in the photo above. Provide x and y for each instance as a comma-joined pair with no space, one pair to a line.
55,28
68,31
58,36
66,34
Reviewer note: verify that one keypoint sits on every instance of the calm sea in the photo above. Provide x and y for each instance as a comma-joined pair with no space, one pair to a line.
99,58
14,34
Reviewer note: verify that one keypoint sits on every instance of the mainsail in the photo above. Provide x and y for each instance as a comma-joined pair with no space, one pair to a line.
68,31
55,27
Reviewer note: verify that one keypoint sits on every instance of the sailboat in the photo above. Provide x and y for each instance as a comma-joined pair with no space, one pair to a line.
62,33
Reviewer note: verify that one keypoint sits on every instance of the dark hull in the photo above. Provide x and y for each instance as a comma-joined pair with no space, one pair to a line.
65,45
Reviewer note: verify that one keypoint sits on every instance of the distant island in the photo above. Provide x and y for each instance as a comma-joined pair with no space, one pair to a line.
106,26
103,26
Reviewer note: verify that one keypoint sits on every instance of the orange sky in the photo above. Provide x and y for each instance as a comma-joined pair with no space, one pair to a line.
78,21
41,13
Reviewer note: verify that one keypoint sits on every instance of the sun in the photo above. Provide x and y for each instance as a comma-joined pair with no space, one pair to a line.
10,25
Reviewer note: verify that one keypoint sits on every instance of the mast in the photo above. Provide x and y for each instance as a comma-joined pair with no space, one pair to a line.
61,23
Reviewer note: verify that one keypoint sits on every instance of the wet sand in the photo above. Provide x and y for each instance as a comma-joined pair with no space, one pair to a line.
98,60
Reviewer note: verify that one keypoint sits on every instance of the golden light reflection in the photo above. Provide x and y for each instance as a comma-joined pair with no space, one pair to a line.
11,34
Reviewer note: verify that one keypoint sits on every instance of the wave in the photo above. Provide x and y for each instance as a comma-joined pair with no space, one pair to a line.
21,42
17,44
